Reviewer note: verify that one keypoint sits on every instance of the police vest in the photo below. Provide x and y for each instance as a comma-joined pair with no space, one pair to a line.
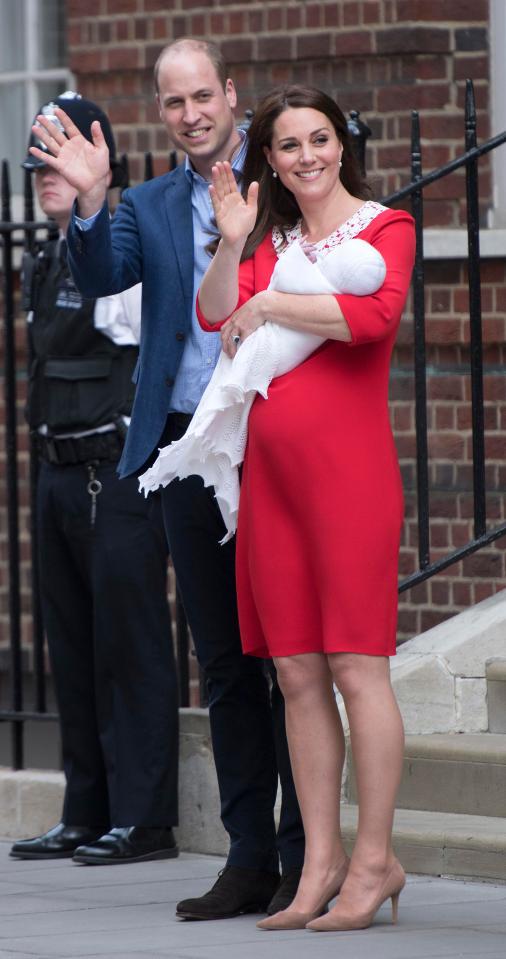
79,379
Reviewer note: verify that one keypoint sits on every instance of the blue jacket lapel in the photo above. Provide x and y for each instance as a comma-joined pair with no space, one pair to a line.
179,214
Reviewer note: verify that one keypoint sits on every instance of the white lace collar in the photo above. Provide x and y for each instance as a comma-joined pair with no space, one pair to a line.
349,229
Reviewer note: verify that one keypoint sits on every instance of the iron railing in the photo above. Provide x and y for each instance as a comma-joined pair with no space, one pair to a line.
23,234
468,161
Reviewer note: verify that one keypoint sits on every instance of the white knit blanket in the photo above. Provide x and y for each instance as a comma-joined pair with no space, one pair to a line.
214,443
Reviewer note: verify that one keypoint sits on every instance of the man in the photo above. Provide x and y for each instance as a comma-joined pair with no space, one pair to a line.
103,557
160,233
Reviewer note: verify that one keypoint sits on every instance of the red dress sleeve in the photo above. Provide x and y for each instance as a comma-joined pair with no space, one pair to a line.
254,275
374,317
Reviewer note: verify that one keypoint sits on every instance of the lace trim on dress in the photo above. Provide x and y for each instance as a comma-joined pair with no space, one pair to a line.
347,231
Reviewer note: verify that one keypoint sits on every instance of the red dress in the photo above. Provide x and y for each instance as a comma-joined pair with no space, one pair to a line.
321,503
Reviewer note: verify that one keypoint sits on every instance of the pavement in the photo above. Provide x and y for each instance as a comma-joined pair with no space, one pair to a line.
59,909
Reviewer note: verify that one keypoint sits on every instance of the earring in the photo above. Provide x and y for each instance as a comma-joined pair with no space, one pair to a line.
274,173
340,164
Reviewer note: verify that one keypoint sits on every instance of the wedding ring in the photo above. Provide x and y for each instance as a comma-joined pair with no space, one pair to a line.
236,339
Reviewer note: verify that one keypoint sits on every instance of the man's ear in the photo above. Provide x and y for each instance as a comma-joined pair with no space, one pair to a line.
109,178
230,93
159,105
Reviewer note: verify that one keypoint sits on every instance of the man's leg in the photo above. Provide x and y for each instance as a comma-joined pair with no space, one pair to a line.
135,675
239,706
64,548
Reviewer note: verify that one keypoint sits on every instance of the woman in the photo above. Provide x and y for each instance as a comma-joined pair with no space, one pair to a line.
321,500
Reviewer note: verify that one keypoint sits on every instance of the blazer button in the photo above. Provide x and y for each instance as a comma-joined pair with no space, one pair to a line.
169,381
179,336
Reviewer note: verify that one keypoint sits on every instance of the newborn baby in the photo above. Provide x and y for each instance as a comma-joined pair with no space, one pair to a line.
214,443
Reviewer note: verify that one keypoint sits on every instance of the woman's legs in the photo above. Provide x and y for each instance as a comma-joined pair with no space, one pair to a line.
316,743
377,742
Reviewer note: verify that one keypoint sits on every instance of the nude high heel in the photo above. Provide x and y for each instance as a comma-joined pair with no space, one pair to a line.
293,919
342,918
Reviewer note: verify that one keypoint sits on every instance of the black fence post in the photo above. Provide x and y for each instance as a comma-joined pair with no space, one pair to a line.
422,467
12,474
359,133
37,624
476,353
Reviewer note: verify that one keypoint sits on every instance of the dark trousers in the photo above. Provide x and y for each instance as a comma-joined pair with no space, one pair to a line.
246,708
107,620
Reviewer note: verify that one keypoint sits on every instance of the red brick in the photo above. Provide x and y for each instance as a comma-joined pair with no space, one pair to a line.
422,68
484,565
275,48
413,40
461,593
471,38
74,8
217,22
474,68
85,61
444,416
123,58
352,43
430,618
331,15
236,51
275,18
423,97
293,18
160,5
440,590
351,14
371,12
255,21
314,14
313,45
466,10
121,6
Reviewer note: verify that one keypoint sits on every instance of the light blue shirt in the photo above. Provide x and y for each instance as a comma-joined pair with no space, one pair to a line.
201,350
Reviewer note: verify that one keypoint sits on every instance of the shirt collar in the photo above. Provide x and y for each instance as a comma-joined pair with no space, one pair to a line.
237,162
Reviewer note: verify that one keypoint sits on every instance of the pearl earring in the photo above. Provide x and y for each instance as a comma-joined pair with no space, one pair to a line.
340,164
274,173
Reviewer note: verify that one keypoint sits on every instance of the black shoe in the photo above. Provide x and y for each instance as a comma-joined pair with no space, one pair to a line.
60,842
285,893
129,844
235,892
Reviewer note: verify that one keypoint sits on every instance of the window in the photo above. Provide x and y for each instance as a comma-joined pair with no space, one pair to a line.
497,216
32,72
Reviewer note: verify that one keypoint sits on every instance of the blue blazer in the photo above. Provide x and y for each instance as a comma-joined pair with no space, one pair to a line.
149,240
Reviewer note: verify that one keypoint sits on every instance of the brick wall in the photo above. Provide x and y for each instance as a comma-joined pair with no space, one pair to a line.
384,58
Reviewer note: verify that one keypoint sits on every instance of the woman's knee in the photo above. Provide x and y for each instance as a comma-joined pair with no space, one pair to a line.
299,675
353,673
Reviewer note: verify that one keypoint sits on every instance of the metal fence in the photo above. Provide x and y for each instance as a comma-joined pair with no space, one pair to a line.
22,234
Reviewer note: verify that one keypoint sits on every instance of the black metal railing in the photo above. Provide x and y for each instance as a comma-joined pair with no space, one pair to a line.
22,235
469,162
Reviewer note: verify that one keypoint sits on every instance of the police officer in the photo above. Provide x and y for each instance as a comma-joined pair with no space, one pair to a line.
103,557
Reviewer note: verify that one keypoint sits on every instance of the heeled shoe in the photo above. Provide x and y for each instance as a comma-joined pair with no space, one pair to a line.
341,919
293,919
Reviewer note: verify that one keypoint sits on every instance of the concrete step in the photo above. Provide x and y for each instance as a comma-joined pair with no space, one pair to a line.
443,844
463,773
495,673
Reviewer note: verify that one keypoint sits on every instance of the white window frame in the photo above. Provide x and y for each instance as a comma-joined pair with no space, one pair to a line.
31,75
497,215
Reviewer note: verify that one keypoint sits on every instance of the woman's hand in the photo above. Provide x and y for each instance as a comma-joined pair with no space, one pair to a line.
244,322
235,217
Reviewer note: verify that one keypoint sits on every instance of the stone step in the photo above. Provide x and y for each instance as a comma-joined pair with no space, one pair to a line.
453,773
443,844
495,673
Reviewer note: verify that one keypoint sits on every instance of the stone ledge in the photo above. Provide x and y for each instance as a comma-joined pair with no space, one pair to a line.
443,844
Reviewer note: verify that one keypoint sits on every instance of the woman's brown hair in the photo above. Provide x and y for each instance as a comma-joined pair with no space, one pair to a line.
277,206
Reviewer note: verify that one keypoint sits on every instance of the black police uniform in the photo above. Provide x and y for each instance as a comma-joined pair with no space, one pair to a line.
103,564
